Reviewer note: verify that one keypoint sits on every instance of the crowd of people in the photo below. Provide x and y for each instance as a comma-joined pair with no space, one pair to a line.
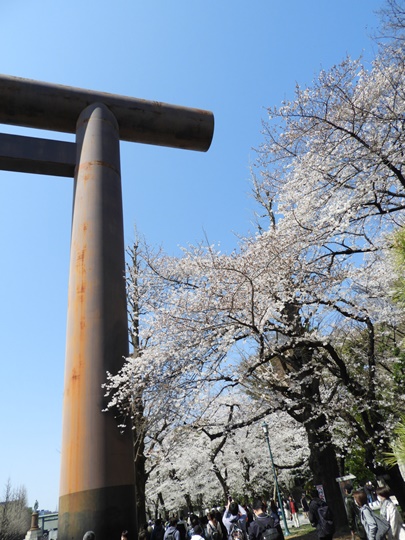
367,524
262,520
258,521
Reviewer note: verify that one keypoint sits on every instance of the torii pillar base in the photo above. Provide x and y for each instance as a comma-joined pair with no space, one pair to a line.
97,467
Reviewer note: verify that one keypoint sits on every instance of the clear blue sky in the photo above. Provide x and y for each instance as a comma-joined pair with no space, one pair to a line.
231,57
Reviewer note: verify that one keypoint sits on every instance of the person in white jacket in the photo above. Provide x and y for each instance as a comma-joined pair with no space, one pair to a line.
391,514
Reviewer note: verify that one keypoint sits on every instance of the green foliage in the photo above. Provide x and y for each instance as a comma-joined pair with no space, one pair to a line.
398,445
355,464
399,370
398,246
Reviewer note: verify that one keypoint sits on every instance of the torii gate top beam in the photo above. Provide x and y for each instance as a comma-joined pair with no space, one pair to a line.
41,105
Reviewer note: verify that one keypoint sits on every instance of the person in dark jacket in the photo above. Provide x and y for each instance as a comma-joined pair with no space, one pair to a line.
304,504
261,522
158,531
273,511
353,514
324,529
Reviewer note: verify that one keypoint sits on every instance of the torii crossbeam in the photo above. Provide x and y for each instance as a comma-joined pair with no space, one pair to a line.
97,474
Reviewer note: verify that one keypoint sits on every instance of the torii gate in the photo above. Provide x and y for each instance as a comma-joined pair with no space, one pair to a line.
97,474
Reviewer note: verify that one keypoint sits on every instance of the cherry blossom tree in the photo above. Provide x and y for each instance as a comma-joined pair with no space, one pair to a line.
392,21
149,418
332,166
295,318
332,158
263,321
192,468
158,396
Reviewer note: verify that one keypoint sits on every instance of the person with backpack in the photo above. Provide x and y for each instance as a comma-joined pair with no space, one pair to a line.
390,512
264,526
376,527
321,517
234,519
218,515
171,532
214,531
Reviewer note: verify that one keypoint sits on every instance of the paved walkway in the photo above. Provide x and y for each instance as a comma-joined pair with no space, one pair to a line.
290,524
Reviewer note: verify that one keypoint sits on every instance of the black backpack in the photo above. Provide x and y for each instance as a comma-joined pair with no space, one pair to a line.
325,519
267,529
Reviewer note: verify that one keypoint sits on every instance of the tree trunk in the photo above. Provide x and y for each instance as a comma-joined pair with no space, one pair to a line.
140,483
221,480
141,476
162,503
324,467
190,508
322,459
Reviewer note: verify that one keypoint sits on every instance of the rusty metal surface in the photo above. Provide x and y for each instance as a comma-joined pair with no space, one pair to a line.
95,455
105,511
54,107
38,156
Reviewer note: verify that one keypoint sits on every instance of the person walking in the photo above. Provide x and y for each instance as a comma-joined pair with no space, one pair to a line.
273,511
304,504
182,527
321,517
353,514
294,511
367,516
264,525
287,510
389,511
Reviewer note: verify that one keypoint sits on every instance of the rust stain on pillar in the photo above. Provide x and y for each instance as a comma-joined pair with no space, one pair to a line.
97,474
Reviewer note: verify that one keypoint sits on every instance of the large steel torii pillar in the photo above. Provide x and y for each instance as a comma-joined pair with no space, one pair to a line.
97,473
